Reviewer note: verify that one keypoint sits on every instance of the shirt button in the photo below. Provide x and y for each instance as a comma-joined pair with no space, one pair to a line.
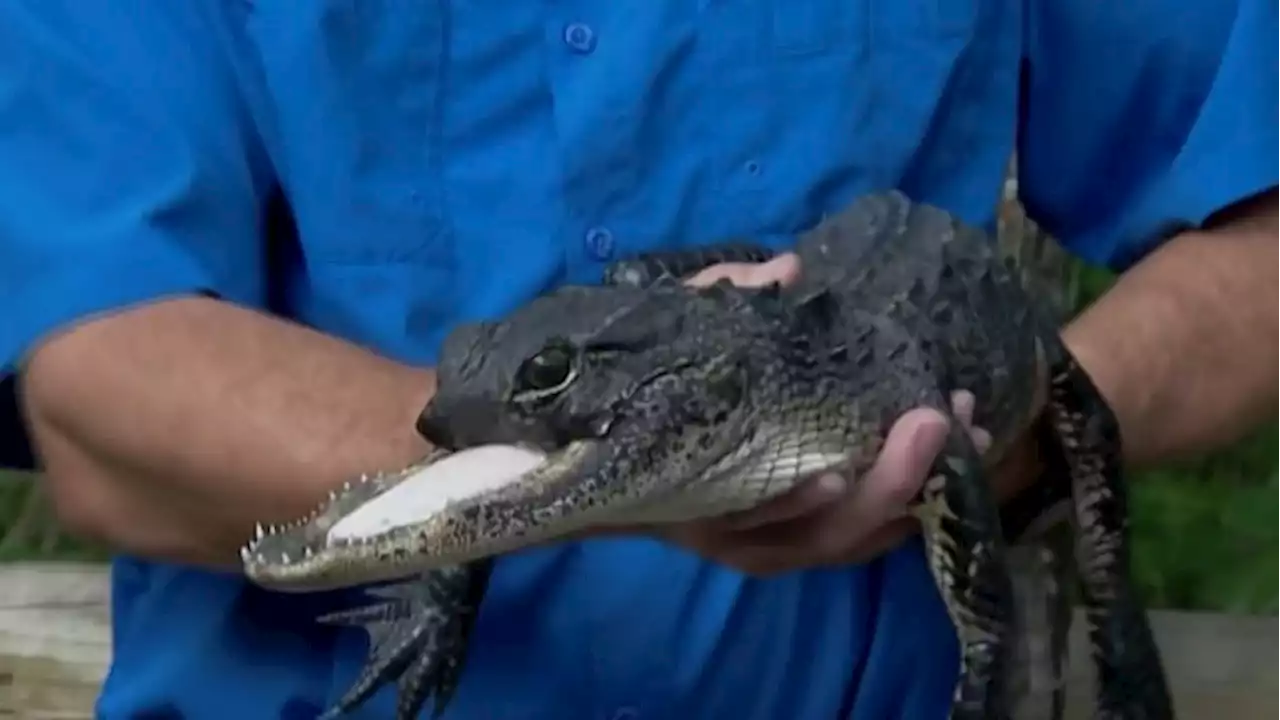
600,243
580,37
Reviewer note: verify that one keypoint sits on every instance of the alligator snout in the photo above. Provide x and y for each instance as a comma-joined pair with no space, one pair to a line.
435,430
453,424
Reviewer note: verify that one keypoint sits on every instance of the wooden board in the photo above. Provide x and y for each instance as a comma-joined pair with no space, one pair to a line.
55,640
55,645
1220,667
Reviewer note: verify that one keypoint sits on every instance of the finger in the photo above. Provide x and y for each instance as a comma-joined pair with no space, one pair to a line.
825,534
981,440
881,541
827,539
910,448
800,501
900,456
760,553
783,269
962,404
829,536
735,273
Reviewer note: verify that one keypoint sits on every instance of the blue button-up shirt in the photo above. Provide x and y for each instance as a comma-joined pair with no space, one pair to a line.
445,161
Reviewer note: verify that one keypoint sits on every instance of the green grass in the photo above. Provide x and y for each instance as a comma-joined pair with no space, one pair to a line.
1205,535
37,537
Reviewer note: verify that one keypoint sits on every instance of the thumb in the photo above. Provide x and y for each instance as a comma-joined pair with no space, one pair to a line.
905,460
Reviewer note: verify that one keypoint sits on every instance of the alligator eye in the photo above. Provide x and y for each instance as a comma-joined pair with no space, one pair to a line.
550,369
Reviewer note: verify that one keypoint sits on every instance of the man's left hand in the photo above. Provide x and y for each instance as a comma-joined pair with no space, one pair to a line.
831,519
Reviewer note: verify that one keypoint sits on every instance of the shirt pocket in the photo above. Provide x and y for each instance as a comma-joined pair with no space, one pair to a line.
779,103
355,122
805,104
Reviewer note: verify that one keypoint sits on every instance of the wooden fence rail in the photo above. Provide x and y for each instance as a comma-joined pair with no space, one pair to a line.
55,646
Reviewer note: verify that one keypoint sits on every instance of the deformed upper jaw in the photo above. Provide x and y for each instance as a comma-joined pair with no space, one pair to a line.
299,555
385,526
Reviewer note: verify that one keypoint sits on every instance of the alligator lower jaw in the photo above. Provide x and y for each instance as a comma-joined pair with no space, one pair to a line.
387,526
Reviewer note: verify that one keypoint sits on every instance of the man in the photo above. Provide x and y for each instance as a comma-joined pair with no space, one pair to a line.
187,370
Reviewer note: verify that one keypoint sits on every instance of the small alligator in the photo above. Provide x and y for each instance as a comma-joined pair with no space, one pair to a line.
645,400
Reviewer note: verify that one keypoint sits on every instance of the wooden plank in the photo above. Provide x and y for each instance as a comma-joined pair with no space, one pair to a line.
55,640
55,645
1220,667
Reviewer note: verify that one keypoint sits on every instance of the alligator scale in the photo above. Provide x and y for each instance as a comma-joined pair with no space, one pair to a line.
645,400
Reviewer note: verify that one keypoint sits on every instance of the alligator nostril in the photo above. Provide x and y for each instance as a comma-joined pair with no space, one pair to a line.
434,431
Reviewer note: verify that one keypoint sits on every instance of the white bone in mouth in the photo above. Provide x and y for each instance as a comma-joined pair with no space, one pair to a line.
465,474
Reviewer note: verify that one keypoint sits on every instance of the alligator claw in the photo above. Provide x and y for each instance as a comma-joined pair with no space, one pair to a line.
417,638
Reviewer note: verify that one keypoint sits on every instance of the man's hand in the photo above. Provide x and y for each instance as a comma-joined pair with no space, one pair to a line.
830,519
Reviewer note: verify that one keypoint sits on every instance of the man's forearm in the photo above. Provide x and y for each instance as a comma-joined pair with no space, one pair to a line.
170,429
1184,345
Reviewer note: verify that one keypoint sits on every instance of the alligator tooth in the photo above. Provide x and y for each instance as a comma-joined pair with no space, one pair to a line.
307,552
259,531
245,554
284,558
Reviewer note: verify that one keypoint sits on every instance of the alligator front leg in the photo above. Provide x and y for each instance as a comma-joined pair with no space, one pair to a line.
417,638
653,268
1131,679
966,553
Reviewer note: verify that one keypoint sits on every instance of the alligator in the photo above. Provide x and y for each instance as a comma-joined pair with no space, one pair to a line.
645,400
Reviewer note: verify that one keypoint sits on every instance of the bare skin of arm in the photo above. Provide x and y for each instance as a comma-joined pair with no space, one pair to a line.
1184,345
169,429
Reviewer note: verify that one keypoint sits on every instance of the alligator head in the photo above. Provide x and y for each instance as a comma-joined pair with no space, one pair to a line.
588,407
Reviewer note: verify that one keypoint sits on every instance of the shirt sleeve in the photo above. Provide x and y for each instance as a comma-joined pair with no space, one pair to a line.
128,166
1143,118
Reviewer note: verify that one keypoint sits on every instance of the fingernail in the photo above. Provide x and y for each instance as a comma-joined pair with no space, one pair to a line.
931,433
832,484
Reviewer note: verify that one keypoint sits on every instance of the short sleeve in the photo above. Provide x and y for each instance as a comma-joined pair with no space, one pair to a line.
128,166
1143,118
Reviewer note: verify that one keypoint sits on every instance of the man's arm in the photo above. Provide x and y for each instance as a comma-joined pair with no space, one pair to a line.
198,418
1124,140
131,190
1184,345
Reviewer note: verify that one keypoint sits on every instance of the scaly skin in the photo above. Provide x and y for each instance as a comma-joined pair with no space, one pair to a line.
655,402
